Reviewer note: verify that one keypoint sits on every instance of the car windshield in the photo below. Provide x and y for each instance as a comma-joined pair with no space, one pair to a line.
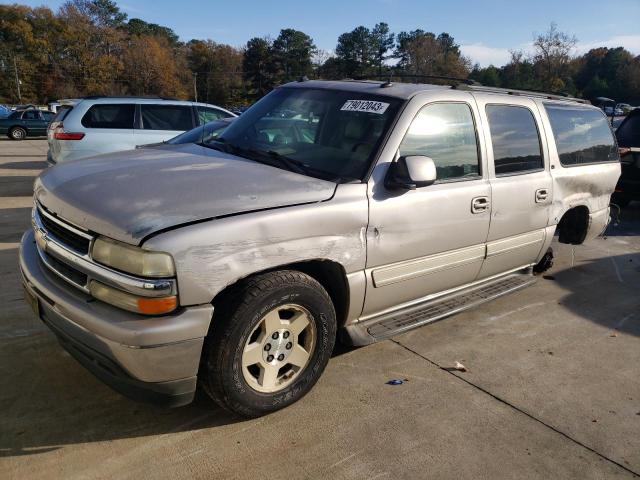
203,134
327,134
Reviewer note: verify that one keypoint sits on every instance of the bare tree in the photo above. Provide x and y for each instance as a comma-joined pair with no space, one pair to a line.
552,54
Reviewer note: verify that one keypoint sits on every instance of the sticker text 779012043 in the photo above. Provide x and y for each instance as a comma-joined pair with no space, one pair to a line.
368,106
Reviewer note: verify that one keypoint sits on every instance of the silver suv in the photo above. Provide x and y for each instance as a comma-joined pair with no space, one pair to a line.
355,208
95,125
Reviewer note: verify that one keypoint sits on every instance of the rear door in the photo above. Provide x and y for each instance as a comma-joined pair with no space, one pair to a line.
160,122
521,186
34,123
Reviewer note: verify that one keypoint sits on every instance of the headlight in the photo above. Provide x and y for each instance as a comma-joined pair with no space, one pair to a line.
133,260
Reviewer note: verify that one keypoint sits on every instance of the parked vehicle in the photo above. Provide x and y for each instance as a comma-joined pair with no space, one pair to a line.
4,111
372,208
25,123
206,133
98,125
628,135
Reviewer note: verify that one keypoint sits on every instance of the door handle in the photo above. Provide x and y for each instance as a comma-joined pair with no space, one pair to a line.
541,195
479,204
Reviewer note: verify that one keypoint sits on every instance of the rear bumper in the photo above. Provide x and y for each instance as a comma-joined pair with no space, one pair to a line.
153,359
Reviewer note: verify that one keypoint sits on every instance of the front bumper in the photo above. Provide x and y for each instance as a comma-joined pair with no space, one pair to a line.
152,359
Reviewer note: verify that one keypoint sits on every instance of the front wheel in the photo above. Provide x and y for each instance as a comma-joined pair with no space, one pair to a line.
17,133
271,338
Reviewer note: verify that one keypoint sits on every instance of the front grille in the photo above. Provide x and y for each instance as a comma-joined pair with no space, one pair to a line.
66,271
64,235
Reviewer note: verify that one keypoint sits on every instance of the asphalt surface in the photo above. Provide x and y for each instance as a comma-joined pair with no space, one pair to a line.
552,387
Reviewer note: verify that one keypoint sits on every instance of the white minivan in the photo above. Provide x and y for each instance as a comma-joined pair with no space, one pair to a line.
95,125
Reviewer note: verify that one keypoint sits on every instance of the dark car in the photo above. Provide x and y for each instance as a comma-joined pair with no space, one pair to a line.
628,135
26,123
202,134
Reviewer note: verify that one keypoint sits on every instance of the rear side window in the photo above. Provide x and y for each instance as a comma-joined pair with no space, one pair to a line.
31,115
166,117
62,112
119,115
208,114
582,135
515,139
446,133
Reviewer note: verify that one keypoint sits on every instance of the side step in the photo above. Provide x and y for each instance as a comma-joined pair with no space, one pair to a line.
394,323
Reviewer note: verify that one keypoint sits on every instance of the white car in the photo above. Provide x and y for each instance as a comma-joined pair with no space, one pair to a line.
95,125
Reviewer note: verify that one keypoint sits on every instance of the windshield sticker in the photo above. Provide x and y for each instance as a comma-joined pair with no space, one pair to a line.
364,106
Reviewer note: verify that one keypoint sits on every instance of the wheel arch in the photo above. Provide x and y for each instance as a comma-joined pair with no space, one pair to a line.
328,273
573,226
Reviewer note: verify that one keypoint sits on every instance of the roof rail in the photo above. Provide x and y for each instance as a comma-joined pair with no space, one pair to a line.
146,97
452,81
526,93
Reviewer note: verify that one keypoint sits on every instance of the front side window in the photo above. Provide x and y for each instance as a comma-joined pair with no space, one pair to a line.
329,134
446,133
515,140
118,115
209,114
166,117
582,135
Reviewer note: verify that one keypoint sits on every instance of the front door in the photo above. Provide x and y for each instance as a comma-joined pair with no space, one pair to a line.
521,186
431,239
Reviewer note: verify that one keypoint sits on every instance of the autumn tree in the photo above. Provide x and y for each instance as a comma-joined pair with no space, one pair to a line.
218,70
552,56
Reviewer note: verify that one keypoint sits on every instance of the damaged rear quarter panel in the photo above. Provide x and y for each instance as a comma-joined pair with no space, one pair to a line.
589,185
214,254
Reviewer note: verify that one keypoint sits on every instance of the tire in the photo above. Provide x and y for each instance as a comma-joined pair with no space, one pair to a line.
245,320
17,133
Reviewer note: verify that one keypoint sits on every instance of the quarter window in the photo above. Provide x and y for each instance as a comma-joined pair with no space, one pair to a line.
515,140
582,135
446,133
166,117
119,115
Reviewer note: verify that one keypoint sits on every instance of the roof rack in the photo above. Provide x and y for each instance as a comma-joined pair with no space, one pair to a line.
146,97
472,85
526,93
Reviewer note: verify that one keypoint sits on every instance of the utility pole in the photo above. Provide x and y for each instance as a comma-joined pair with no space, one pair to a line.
195,89
15,68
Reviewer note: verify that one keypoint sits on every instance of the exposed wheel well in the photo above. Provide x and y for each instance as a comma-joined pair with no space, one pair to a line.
573,226
329,274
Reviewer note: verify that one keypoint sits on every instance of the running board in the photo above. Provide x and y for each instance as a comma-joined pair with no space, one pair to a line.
388,325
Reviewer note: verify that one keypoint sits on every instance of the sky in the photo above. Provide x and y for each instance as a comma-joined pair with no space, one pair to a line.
486,30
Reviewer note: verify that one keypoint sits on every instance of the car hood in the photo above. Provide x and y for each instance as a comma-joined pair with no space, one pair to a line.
130,195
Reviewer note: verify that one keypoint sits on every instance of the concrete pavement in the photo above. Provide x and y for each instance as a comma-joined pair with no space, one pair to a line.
552,388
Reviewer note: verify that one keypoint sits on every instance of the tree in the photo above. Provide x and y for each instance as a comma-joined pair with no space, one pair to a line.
383,41
291,54
552,55
138,27
218,68
102,13
152,68
356,51
256,66
422,53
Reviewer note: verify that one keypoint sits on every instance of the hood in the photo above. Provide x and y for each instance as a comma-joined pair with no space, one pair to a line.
129,195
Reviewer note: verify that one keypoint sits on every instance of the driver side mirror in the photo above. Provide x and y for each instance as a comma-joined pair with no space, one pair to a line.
411,172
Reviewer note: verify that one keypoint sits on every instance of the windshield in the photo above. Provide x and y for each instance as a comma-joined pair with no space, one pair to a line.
203,134
327,134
